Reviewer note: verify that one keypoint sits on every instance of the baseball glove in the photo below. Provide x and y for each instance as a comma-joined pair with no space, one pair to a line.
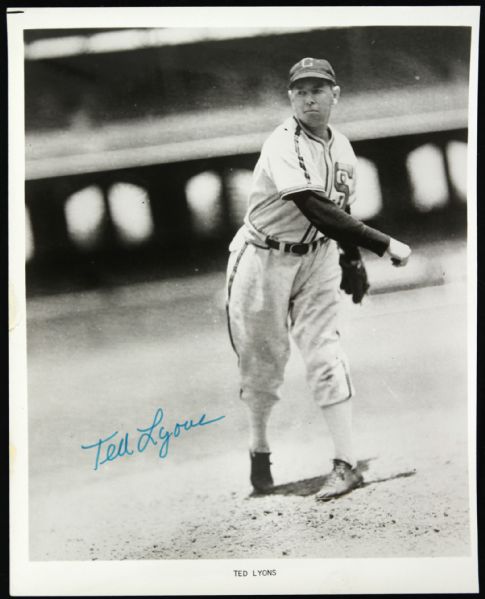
354,278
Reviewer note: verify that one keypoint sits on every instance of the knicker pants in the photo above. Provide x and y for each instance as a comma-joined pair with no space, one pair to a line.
270,295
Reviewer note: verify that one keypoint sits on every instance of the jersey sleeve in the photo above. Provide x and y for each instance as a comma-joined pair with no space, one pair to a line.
288,161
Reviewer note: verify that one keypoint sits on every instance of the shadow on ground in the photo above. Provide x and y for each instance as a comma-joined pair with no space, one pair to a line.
311,486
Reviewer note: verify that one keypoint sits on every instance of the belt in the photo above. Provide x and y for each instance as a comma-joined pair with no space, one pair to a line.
295,248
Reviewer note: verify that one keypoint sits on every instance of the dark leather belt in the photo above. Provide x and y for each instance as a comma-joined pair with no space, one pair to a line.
295,248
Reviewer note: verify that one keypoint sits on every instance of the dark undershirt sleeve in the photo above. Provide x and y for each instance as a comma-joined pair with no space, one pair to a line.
333,222
350,250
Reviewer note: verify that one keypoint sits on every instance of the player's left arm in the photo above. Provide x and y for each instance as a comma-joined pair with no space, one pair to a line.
354,280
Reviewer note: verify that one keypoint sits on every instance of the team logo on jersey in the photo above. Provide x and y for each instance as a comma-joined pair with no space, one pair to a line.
343,175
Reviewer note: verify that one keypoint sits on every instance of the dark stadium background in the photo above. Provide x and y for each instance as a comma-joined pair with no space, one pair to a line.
184,112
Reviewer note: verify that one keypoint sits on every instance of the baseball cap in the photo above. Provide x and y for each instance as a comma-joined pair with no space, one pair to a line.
312,67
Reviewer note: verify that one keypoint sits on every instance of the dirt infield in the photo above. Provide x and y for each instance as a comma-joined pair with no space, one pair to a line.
94,371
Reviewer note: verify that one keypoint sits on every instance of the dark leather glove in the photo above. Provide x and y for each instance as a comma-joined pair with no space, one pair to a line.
354,277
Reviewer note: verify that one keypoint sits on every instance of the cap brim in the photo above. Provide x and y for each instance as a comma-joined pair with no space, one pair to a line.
312,75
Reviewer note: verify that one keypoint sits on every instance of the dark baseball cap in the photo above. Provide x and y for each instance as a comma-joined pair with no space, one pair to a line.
312,67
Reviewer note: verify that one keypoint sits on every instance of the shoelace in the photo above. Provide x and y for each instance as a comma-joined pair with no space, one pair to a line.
337,473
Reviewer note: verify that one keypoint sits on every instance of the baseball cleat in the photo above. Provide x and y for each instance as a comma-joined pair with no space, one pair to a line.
261,478
341,480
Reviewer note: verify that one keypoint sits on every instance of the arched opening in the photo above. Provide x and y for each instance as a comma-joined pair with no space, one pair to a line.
204,193
368,191
238,187
427,173
456,155
84,212
130,210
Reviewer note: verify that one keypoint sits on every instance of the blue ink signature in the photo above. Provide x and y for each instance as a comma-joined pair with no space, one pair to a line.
149,437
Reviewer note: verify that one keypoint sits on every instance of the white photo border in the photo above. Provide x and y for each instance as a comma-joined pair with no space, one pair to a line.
215,577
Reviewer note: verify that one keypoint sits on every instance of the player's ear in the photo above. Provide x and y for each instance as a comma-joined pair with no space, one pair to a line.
336,93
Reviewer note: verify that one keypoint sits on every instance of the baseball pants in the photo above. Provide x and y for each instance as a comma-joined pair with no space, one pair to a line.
272,294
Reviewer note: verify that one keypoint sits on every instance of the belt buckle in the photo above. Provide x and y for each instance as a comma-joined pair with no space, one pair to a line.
303,248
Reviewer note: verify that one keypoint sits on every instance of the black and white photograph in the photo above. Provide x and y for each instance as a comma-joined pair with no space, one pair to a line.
242,300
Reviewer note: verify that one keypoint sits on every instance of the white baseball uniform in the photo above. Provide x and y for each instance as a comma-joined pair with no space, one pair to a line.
272,292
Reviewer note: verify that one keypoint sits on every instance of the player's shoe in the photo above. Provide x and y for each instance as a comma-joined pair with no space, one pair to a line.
261,478
341,480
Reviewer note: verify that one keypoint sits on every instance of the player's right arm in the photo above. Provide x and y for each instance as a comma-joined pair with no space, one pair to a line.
333,222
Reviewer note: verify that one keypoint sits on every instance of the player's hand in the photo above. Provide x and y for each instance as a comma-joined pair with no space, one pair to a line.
399,252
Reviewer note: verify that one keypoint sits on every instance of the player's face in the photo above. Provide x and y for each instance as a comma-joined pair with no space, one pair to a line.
312,101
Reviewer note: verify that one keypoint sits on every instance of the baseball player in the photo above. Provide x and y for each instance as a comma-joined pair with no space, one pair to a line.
297,248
